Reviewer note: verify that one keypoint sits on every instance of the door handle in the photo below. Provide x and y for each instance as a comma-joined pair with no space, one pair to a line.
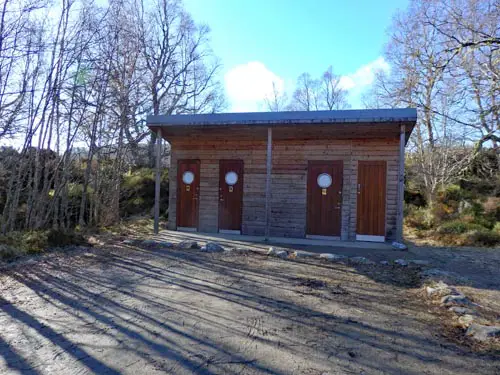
359,188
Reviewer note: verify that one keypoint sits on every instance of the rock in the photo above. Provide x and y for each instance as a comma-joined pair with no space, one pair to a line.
165,244
188,245
272,251
360,260
460,300
419,262
212,247
148,243
401,262
94,241
440,289
399,246
384,262
282,254
277,253
129,242
483,333
466,320
302,254
333,257
459,310
463,205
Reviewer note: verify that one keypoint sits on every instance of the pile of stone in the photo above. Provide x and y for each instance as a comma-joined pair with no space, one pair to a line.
337,258
277,253
465,311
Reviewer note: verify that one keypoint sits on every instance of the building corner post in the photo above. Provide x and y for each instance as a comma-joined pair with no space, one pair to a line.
157,182
268,181
401,184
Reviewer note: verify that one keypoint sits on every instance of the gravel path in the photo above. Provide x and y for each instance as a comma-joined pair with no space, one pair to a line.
131,311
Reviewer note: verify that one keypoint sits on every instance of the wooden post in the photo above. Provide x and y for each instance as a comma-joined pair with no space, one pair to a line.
157,182
268,180
401,185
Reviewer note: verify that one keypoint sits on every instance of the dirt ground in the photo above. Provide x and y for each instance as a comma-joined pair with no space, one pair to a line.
121,309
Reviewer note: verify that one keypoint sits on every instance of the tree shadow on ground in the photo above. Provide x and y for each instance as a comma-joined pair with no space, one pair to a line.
468,266
14,360
211,314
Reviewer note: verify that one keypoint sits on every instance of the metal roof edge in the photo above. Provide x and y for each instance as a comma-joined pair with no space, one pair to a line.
289,117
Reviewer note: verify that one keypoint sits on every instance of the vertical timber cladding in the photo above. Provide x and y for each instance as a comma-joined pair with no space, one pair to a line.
288,184
289,181
210,152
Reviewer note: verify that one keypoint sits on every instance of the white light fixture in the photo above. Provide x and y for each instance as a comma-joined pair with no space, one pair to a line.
231,178
324,180
188,177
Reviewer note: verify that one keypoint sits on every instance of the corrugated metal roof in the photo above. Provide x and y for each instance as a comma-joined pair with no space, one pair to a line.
284,118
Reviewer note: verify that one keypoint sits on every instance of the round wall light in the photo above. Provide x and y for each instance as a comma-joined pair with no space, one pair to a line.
324,180
188,177
231,178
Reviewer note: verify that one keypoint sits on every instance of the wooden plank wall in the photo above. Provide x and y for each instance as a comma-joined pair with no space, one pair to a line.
288,183
253,153
289,190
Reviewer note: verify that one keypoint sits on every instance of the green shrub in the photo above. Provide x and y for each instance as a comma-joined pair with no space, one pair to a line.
34,242
459,227
485,221
442,212
9,253
496,228
61,238
484,238
452,193
419,218
138,192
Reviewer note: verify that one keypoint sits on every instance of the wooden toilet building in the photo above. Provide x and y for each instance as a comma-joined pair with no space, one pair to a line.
320,174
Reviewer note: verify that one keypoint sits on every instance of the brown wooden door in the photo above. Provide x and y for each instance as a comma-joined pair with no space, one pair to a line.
324,204
371,198
230,194
188,193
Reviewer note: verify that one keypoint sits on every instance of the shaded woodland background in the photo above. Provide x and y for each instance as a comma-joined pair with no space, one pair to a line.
77,81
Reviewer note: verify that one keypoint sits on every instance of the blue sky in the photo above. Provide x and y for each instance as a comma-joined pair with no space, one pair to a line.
260,42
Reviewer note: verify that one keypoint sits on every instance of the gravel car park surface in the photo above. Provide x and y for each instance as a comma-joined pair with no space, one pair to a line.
124,309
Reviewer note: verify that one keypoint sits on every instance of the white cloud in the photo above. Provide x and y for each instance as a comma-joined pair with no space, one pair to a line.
365,75
249,84
359,82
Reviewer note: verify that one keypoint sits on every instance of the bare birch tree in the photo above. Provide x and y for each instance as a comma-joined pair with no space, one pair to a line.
325,93
444,60
180,69
276,100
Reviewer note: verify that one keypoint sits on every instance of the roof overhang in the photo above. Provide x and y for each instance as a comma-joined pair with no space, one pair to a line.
364,123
